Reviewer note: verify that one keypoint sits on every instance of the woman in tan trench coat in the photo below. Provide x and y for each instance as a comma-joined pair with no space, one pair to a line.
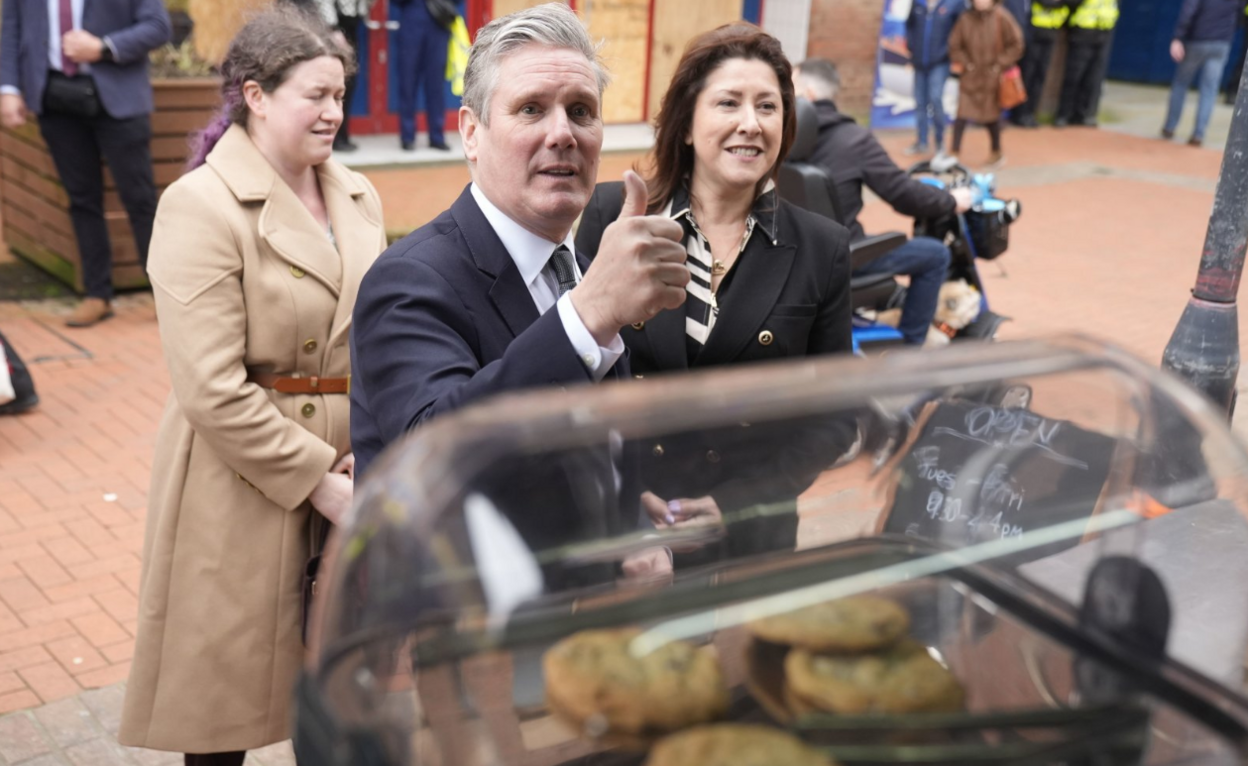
985,42
255,262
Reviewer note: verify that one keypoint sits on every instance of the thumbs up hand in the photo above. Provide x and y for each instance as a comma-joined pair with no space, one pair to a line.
638,272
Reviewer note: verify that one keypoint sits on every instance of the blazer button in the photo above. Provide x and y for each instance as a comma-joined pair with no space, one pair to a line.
639,325
296,272
658,450
765,337
712,456
308,410
639,377
309,345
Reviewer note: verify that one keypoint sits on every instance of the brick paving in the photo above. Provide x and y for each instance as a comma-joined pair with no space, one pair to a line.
1108,245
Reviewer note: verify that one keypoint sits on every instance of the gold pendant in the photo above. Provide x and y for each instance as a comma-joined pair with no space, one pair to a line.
717,268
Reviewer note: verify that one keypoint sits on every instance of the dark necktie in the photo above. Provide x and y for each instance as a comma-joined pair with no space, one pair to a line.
67,24
565,272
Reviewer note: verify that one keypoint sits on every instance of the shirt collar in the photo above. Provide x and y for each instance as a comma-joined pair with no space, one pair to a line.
763,211
529,251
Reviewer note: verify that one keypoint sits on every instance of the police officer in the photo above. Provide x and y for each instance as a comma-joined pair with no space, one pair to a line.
1090,24
1047,19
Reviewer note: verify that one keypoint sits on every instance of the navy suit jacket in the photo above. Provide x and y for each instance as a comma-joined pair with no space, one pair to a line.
443,319
135,27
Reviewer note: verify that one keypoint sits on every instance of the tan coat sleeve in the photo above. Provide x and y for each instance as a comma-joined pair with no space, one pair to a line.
196,269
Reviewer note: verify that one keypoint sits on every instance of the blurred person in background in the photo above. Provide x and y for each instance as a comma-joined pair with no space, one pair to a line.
1048,18
985,42
257,255
1201,46
927,37
80,66
767,281
1091,25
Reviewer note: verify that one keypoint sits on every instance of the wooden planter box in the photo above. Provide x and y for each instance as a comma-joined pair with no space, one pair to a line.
35,209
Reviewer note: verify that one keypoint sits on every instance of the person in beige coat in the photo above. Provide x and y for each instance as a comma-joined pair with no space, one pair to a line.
255,262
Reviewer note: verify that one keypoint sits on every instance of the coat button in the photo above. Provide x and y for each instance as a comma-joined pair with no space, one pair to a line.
639,377
296,272
658,450
309,345
639,325
308,410
765,337
712,456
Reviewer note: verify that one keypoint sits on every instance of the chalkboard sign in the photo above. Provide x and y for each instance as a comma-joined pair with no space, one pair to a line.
978,473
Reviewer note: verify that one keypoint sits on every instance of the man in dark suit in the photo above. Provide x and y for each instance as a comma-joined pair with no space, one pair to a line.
81,67
488,297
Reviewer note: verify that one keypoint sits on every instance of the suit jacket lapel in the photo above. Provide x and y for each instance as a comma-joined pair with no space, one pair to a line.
760,274
359,237
508,292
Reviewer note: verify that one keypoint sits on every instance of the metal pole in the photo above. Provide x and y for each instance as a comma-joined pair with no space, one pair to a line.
1204,348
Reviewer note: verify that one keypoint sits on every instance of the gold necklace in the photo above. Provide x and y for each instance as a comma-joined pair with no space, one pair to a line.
718,268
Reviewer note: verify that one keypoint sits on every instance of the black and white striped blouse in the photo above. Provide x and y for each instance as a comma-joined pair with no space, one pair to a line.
701,302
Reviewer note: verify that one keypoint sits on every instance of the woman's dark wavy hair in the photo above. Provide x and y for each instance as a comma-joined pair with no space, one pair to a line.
271,44
671,160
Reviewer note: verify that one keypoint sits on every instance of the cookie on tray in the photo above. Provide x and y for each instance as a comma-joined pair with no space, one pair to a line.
729,744
902,678
593,679
854,624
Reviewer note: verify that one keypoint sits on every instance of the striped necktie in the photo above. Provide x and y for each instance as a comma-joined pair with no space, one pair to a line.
565,272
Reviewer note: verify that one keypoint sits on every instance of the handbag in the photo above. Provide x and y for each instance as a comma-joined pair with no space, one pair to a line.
1010,91
320,534
443,11
75,96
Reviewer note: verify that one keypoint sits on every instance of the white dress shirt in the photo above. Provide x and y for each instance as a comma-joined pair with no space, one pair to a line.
530,254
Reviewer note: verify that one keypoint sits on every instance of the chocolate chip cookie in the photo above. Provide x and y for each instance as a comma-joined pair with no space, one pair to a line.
855,624
734,745
902,678
594,680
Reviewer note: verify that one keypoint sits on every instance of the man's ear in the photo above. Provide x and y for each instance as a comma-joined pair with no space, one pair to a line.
254,97
469,134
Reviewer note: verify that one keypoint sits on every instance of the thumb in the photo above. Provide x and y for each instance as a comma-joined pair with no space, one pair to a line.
635,195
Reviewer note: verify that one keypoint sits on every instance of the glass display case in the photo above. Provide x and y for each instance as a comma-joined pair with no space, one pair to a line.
1026,553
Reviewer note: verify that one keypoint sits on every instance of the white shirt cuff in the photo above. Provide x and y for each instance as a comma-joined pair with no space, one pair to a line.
10,90
595,358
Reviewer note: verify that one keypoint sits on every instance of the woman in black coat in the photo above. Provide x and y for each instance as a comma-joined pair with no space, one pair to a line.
768,281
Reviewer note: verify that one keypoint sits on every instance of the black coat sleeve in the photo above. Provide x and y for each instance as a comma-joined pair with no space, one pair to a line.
905,194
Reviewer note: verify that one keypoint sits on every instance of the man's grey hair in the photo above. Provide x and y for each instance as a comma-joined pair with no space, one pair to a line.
552,24
821,77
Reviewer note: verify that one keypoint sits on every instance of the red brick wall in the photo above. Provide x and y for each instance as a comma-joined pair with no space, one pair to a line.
847,32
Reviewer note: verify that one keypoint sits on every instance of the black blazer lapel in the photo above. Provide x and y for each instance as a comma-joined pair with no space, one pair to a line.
761,273
508,292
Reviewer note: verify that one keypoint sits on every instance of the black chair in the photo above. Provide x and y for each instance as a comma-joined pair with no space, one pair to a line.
810,187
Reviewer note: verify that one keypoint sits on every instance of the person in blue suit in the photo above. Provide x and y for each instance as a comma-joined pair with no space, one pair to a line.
421,61
927,37
81,67
491,295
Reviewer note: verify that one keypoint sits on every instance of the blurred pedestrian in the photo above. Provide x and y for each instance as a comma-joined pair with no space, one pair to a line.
423,41
1091,26
1200,46
985,42
927,37
257,256
81,67
17,389
1048,18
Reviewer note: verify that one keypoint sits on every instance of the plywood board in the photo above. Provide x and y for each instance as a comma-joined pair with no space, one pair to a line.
623,26
501,8
676,22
